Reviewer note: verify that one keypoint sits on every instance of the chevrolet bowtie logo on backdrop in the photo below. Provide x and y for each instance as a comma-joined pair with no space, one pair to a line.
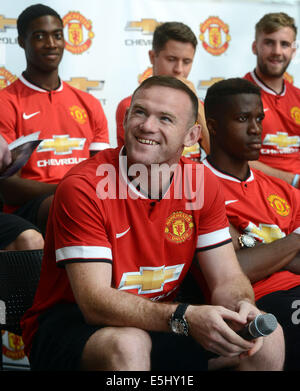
61,144
146,26
7,23
150,279
79,34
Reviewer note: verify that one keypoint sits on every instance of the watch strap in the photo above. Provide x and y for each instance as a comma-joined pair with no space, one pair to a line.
180,311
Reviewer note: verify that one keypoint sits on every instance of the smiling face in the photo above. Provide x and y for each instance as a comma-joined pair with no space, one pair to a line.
158,125
238,131
274,52
44,43
175,59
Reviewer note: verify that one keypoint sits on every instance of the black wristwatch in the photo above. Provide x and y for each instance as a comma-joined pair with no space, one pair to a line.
177,322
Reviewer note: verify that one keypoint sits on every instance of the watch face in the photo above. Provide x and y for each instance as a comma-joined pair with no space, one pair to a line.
247,241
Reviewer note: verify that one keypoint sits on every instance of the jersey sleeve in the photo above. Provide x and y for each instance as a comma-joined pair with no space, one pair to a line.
101,133
78,224
213,226
8,120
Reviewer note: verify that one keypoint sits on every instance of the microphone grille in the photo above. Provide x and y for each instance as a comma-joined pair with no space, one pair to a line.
266,323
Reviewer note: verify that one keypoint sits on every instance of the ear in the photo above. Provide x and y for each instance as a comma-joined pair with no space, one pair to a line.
21,42
151,56
192,136
254,49
125,117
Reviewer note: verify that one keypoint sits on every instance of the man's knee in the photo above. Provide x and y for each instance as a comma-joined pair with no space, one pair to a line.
124,348
29,239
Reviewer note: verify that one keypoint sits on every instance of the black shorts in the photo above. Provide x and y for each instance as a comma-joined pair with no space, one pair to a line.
281,305
63,333
11,226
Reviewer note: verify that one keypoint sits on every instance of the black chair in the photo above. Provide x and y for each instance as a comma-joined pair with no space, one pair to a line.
19,277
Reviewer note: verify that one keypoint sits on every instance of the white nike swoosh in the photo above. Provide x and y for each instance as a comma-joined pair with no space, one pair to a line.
230,202
266,109
25,116
122,233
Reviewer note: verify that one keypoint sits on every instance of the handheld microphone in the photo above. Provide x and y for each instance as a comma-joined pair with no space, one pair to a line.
261,326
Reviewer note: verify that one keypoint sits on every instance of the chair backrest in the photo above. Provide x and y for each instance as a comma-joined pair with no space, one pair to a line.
19,277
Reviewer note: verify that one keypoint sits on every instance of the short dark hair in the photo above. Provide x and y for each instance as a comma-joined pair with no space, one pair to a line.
272,22
31,13
218,94
171,82
172,30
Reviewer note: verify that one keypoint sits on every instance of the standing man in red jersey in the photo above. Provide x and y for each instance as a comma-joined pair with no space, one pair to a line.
72,123
274,47
173,50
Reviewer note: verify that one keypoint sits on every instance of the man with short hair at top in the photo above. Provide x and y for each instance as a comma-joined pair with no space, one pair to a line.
264,211
121,239
71,122
173,49
274,47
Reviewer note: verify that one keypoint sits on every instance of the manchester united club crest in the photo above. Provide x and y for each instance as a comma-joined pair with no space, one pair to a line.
79,114
214,35
279,204
179,227
147,73
79,32
295,113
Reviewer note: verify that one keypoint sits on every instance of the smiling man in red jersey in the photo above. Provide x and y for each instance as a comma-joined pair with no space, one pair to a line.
113,265
71,122
274,47
264,211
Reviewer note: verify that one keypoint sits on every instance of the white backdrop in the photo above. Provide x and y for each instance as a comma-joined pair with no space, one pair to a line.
107,44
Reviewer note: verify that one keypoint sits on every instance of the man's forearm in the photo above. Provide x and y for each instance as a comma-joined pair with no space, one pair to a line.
265,259
17,191
284,175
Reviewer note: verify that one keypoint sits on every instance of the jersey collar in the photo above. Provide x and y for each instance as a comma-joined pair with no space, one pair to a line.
133,189
225,175
264,87
36,88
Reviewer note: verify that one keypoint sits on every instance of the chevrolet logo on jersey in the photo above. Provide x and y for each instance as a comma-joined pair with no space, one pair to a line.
150,279
282,140
146,26
61,144
267,233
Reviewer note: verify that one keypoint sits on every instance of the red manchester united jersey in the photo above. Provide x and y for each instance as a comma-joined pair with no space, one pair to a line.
281,126
266,208
150,243
71,124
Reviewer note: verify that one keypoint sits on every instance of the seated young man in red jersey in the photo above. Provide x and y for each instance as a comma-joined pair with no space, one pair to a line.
121,237
173,50
72,123
264,211
275,34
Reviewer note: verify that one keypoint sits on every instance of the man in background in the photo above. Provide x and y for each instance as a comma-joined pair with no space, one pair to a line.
72,123
274,47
